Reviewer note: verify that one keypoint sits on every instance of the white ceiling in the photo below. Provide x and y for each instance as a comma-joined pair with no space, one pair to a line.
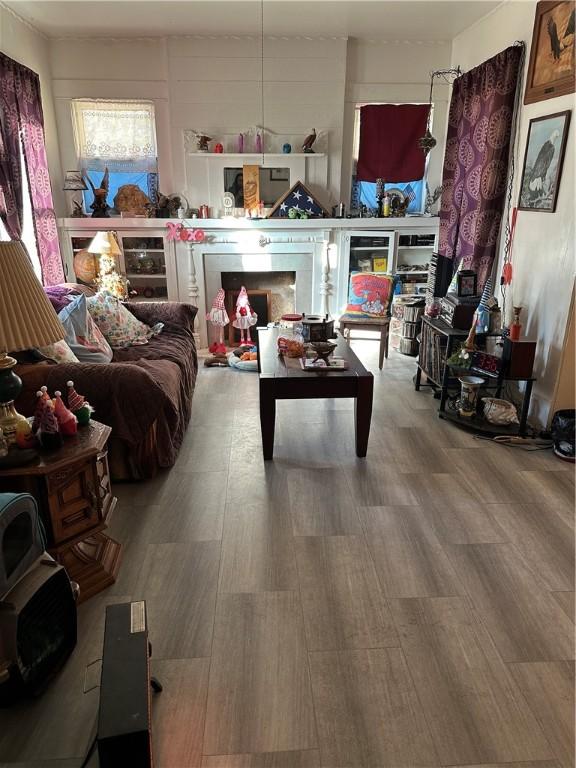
368,19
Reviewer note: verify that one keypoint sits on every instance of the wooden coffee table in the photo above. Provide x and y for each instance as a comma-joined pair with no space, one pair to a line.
281,381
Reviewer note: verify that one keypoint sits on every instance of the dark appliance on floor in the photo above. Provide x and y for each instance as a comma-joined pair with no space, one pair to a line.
124,734
37,602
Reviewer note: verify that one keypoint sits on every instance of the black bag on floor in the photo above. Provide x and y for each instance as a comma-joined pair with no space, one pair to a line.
562,430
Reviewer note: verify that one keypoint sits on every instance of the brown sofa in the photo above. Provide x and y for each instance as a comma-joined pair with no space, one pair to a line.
144,394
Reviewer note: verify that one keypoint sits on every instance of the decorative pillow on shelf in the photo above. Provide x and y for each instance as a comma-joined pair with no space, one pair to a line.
60,352
117,323
369,294
82,334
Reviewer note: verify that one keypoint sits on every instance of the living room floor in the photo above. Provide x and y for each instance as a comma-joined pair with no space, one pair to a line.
414,608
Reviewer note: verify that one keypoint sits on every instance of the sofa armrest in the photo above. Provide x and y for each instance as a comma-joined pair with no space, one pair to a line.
175,312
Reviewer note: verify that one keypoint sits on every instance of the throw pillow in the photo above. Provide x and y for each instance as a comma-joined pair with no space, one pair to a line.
117,323
82,333
369,294
60,352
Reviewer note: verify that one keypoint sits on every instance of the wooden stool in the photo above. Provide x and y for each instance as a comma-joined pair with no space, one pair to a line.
349,323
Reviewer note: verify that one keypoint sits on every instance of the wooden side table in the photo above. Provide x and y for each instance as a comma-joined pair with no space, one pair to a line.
74,496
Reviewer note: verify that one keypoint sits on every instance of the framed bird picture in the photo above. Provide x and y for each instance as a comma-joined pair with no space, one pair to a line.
545,147
551,67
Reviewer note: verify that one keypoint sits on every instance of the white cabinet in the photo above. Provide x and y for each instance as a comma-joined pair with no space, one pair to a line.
414,249
364,251
147,259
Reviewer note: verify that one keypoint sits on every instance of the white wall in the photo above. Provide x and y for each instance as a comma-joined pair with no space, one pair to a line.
25,45
543,251
397,71
212,84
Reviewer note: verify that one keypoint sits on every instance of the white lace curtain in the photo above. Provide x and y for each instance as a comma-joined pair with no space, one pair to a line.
119,135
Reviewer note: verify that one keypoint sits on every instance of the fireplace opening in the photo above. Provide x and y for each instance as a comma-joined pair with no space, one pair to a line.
280,286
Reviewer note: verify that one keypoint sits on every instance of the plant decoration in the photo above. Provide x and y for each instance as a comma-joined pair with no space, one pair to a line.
185,234
461,357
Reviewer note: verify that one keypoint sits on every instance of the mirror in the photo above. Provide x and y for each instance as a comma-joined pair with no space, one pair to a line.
274,182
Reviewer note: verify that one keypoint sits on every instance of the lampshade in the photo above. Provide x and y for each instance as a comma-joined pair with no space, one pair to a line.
27,319
104,242
74,181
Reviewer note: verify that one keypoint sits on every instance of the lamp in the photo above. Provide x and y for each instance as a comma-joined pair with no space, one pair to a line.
74,182
106,246
27,319
428,142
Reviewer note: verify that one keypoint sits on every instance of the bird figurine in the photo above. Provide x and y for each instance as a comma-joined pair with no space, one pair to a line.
309,141
100,207
202,141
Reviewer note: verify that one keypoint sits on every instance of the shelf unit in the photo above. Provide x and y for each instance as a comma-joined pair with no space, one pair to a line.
437,344
147,258
414,249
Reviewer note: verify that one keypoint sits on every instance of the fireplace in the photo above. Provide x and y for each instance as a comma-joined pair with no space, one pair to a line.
289,265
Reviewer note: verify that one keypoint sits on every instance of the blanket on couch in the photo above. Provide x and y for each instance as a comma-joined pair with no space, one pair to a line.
144,385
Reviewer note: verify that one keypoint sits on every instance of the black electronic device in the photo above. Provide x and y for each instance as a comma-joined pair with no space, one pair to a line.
317,328
37,628
124,719
482,362
458,311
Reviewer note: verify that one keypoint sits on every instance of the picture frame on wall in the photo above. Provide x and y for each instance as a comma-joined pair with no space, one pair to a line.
543,159
551,66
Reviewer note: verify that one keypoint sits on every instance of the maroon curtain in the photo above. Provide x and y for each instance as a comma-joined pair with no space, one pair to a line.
389,148
476,162
23,121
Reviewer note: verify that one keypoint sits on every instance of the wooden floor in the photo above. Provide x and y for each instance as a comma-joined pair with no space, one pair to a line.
414,608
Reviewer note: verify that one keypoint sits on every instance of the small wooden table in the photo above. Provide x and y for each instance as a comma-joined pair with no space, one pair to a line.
279,381
74,496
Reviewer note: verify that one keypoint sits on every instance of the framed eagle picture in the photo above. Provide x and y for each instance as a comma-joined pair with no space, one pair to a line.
551,67
545,147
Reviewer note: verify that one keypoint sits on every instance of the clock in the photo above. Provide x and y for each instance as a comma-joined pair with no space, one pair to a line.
482,362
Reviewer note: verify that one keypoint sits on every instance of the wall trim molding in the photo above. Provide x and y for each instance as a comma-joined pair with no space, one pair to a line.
23,21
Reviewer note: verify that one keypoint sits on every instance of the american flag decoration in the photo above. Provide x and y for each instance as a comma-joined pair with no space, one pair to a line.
409,193
301,199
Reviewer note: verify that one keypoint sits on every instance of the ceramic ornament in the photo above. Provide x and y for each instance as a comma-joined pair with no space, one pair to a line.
49,433
67,422
39,410
483,311
79,406
244,318
219,318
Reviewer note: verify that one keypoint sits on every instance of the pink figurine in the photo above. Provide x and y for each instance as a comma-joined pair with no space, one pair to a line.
244,318
219,318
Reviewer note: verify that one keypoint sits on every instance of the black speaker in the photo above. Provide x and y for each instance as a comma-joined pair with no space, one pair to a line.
518,358
124,719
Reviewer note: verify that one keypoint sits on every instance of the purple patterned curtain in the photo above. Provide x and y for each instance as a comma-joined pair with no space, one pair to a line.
476,162
23,125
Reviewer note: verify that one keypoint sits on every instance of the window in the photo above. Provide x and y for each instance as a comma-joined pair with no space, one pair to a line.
28,234
364,192
120,136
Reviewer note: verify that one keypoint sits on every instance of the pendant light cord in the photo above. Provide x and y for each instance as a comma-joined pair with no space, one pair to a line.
262,75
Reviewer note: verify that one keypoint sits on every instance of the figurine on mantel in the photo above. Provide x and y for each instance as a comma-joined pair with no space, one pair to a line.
99,206
309,141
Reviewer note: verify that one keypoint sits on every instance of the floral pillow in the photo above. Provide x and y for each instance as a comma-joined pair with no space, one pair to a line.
117,323
60,352
82,334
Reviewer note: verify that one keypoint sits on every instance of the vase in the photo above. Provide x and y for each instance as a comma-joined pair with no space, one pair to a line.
469,395
515,327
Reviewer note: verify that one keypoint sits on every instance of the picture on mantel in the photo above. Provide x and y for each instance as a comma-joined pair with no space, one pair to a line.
298,203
